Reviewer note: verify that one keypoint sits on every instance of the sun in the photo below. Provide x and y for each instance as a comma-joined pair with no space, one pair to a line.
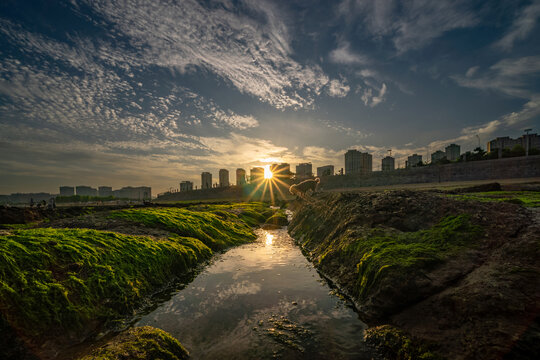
267,173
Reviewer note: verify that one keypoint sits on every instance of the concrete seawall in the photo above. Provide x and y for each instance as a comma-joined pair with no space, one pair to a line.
508,168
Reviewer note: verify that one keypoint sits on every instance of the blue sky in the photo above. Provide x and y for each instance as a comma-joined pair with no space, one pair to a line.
151,93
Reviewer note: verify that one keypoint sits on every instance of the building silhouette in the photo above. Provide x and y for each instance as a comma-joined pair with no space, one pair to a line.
206,180
67,191
186,186
281,171
134,193
240,177
304,171
83,190
224,178
105,191
326,170
256,175
357,162
413,161
437,155
388,164
453,152
506,142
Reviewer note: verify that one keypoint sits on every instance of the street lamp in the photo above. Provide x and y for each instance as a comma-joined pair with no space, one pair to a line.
527,141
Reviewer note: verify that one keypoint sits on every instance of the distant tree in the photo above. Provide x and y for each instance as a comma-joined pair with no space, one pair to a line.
493,154
534,151
517,150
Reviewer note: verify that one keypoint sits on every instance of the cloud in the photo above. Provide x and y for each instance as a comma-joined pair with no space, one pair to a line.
251,49
344,55
372,100
338,88
409,24
524,23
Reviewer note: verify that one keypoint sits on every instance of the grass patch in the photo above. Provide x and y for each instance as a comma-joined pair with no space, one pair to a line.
405,255
524,198
217,229
52,280
141,343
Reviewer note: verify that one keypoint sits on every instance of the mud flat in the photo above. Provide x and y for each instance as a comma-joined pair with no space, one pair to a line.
433,274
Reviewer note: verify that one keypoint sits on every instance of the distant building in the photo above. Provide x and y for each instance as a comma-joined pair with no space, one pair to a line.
256,175
327,170
240,177
105,191
224,178
206,180
281,171
437,155
453,152
134,193
304,171
67,191
85,190
388,164
357,162
413,161
508,143
186,186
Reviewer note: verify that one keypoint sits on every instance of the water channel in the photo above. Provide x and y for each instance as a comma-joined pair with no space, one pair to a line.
259,301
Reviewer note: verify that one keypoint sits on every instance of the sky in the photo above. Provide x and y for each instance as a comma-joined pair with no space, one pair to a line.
123,93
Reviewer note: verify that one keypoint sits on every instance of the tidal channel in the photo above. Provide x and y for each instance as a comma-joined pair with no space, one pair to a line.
258,301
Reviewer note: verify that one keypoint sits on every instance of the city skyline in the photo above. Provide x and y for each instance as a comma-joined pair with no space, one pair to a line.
114,93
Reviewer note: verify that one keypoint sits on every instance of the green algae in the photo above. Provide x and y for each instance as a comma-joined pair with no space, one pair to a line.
141,343
524,198
61,279
217,230
393,343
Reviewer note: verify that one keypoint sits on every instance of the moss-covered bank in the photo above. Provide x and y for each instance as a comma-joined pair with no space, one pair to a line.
59,285
437,268
140,343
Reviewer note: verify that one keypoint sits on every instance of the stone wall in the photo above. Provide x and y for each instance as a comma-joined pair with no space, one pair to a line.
507,168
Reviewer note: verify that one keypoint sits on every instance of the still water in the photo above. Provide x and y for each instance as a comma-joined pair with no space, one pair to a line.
258,301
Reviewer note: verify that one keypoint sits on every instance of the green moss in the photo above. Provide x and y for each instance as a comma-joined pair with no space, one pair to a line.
141,343
401,256
279,218
61,279
524,198
393,343
217,230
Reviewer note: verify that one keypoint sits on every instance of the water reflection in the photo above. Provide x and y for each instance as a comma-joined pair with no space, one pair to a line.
261,300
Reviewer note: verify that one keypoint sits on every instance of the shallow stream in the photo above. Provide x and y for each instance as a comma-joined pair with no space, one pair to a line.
258,301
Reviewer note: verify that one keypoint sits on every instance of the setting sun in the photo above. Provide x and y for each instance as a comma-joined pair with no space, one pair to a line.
267,173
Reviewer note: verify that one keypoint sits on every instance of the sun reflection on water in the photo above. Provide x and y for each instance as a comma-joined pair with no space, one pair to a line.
269,238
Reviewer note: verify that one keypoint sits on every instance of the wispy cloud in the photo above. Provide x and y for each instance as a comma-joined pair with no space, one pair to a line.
524,23
344,55
371,99
409,24
338,88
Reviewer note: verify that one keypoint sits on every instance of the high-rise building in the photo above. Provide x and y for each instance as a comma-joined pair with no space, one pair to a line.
224,178
206,180
105,191
67,191
281,171
388,164
304,171
256,175
437,155
85,190
327,170
413,161
357,162
453,152
240,177
186,186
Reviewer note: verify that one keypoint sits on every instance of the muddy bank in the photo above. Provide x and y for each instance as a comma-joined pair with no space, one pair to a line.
460,276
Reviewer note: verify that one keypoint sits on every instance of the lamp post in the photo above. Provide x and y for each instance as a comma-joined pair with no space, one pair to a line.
527,141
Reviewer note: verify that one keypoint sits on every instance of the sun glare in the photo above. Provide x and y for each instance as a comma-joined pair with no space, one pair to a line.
267,173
